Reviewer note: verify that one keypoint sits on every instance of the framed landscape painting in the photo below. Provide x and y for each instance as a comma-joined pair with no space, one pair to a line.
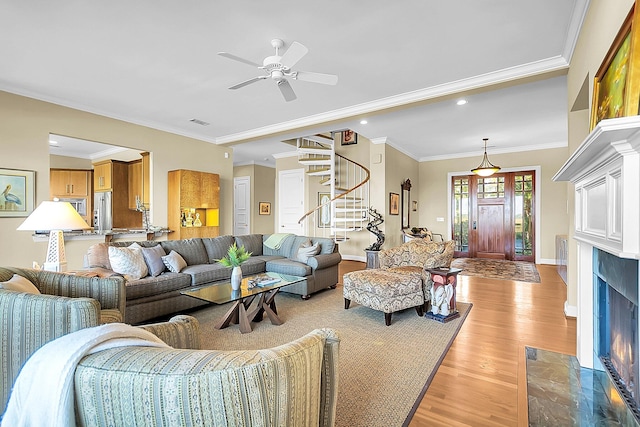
617,81
17,192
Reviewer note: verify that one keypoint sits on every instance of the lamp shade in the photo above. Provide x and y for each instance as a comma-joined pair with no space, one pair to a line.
54,216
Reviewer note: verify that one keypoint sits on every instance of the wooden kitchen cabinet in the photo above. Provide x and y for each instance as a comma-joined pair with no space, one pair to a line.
73,185
69,183
139,181
113,176
196,193
102,176
135,183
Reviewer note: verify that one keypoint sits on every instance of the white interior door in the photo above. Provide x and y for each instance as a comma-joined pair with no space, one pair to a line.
290,201
241,205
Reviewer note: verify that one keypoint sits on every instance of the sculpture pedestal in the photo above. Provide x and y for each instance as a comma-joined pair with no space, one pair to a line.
372,259
449,276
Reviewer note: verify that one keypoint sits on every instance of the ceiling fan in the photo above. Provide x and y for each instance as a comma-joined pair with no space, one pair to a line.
279,68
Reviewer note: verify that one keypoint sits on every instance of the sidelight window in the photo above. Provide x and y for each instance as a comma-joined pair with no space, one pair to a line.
523,214
461,213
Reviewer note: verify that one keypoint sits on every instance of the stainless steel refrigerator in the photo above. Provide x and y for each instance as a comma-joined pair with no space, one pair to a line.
103,211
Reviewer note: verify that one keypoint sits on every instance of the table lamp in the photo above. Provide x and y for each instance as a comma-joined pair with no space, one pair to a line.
54,216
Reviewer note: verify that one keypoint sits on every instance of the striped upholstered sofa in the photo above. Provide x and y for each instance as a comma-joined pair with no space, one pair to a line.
153,296
295,384
90,300
66,304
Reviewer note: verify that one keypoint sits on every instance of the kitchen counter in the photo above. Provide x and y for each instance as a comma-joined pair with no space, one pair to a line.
107,235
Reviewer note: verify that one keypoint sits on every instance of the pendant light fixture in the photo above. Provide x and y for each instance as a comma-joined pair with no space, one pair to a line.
485,168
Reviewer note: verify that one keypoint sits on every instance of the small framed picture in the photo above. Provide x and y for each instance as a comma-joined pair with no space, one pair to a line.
265,208
17,192
348,137
394,204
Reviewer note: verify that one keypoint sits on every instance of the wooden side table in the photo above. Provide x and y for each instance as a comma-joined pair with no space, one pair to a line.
448,276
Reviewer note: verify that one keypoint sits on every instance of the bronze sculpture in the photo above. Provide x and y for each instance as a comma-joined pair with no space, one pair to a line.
373,228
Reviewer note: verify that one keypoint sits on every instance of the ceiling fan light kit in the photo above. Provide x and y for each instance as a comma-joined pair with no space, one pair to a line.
486,168
279,69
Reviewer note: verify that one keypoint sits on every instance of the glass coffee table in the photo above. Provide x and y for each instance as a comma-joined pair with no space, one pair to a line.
221,293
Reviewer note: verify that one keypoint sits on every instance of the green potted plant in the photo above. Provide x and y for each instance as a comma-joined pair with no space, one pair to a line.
234,258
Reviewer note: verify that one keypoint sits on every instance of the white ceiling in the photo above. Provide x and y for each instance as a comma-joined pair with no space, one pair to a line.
401,66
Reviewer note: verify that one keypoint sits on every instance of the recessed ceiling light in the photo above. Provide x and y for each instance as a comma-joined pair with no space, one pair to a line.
363,122
461,101
52,142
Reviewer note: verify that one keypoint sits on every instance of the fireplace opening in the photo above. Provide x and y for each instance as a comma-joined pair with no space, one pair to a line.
616,343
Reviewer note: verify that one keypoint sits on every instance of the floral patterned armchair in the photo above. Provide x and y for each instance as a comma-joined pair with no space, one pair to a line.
415,256
401,282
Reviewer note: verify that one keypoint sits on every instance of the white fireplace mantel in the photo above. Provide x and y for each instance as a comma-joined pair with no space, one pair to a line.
605,170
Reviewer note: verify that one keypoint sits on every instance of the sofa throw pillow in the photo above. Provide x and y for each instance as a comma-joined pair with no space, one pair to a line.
127,261
19,284
98,256
174,262
305,252
153,258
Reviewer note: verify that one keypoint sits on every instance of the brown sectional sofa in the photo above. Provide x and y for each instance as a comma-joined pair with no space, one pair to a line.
151,297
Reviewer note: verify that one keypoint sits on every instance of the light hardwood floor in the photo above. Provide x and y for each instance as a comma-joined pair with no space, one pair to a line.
481,380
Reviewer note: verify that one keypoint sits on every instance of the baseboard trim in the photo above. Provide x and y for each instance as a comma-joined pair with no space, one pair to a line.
547,261
354,258
570,310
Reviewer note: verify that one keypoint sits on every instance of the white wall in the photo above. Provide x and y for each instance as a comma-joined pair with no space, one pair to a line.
24,132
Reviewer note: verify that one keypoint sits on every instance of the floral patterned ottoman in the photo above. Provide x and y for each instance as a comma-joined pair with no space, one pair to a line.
384,290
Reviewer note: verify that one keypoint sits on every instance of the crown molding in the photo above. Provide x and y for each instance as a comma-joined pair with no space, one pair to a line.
575,26
254,163
106,153
285,154
560,144
400,149
380,140
531,69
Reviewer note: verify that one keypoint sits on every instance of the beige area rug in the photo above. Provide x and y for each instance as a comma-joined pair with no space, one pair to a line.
498,269
383,370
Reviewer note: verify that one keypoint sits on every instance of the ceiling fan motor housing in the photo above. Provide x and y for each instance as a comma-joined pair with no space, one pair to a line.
272,65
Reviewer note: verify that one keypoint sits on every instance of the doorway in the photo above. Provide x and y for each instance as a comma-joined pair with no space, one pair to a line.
494,217
290,201
241,205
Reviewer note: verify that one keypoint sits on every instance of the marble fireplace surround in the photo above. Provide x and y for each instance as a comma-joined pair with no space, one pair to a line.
605,170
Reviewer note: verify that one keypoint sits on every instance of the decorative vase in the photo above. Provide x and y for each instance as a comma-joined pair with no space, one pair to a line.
236,278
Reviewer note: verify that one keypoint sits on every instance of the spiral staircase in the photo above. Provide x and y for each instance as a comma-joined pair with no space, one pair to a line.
346,209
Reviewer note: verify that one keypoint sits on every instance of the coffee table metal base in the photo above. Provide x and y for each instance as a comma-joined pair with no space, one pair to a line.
239,313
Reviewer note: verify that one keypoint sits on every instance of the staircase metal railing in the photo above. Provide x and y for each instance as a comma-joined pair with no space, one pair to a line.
348,181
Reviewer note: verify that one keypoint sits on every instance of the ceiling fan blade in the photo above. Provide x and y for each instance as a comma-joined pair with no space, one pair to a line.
325,79
287,90
237,58
294,54
248,82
